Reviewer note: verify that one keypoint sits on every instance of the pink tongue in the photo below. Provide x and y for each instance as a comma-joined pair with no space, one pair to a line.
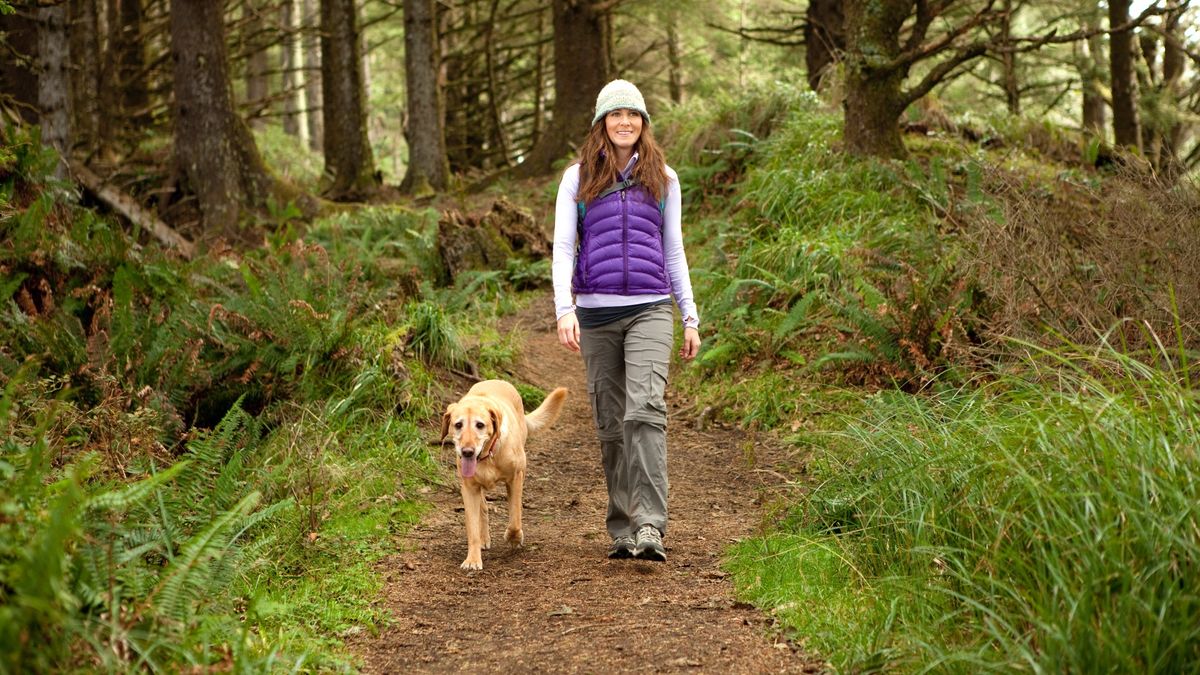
468,467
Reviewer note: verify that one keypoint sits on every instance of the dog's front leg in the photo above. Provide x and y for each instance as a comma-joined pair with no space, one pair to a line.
472,495
485,531
515,535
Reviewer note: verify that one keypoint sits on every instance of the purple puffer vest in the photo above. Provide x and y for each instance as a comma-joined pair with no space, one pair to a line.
621,246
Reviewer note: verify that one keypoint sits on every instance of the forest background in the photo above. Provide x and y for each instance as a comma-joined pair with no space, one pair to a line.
248,243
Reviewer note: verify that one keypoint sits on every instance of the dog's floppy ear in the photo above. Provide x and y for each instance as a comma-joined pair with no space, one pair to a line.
491,444
445,424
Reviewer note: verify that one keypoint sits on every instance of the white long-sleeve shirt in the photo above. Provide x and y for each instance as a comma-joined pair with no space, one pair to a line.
566,222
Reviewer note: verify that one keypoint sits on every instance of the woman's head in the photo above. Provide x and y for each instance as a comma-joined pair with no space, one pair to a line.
620,126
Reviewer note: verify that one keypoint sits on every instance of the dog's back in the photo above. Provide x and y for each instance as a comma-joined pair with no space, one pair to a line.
542,417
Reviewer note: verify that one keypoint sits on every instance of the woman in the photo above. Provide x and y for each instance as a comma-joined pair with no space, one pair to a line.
618,250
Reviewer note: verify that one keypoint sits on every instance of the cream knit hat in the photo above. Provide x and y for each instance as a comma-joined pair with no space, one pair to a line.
620,94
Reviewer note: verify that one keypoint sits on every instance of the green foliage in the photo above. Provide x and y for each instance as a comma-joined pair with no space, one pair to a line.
1044,522
203,459
139,572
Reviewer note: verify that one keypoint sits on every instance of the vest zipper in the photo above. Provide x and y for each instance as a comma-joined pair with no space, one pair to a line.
625,238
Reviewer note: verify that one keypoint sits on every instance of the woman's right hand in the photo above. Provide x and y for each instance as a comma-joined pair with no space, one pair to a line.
568,332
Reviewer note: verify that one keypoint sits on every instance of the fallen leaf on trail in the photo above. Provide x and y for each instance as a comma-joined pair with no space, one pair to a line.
685,662
562,611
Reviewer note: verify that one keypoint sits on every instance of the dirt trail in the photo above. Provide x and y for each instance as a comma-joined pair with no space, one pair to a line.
558,605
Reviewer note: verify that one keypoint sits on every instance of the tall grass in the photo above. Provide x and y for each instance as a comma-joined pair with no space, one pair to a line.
1048,521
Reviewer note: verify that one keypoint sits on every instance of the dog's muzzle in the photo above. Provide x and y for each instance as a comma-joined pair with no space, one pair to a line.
467,462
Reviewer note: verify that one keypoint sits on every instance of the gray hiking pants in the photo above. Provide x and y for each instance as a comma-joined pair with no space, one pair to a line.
626,363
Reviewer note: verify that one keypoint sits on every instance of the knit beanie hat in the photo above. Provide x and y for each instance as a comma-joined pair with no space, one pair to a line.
620,94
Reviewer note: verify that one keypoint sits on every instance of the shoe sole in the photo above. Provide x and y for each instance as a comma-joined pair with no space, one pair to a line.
620,554
650,553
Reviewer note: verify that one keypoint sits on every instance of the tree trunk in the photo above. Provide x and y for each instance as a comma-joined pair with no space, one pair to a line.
290,63
213,146
873,102
427,166
54,103
349,164
493,89
131,64
258,65
824,38
581,67
85,73
314,109
1124,100
1173,65
1008,61
1092,78
539,83
674,56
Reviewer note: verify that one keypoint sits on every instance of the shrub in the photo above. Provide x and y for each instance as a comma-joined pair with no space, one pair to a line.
1047,521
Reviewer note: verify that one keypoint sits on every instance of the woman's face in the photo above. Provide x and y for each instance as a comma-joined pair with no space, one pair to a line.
624,128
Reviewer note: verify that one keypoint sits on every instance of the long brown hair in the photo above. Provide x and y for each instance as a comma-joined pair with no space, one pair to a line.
598,168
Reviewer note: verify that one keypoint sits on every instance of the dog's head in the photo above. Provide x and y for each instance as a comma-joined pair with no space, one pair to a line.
475,429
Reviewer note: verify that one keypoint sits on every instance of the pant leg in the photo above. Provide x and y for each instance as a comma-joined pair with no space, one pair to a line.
647,356
603,350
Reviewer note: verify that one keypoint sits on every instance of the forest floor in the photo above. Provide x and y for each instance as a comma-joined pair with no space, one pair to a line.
559,604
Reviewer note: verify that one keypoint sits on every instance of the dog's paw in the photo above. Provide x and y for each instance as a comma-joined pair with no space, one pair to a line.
487,544
469,564
515,537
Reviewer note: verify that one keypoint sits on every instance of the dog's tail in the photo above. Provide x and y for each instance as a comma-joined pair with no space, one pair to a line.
547,412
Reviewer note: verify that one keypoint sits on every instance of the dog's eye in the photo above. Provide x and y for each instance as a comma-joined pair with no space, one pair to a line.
479,425
458,425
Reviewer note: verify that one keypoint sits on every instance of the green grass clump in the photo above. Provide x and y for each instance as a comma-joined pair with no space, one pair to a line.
1049,521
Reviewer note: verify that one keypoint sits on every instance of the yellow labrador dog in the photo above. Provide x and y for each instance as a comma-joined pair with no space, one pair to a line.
489,427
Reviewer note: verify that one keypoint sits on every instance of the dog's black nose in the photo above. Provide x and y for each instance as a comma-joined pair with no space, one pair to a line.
468,453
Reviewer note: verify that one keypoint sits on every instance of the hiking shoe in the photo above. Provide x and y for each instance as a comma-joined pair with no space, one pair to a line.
649,544
622,547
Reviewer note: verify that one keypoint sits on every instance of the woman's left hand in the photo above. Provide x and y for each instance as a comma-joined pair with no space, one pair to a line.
691,343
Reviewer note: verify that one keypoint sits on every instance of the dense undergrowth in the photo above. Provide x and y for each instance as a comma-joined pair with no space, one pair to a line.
202,460
981,357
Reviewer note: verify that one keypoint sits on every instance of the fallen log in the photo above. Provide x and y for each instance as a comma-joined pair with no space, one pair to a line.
126,206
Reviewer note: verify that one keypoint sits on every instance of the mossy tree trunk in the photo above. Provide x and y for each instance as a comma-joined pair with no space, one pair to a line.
874,77
213,147
878,64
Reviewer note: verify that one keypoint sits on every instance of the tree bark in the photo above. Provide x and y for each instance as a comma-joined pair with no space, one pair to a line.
85,72
824,38
314,108
1008,61
581,69
291,62
54,102
427,165
1124,96
131,63
1092,78
258,65
674,56
349,163
873,100
213,146
1173,65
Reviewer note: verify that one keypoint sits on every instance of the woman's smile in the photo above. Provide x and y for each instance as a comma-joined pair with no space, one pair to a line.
624,127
